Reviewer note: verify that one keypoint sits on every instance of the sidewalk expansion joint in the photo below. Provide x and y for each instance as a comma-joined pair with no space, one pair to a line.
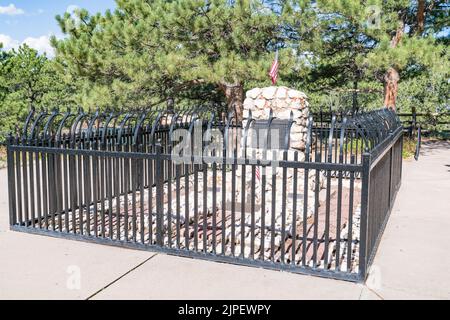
121,277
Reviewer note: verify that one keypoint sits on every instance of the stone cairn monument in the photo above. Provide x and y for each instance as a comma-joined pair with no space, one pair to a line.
282,101
284,104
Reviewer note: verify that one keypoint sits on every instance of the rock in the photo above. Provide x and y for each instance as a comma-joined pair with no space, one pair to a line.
295,137
269,93
296,94
267,113
254,93
323,195
279,104
295,105
284,114
249,104
301,156
306,104
282,93
297,114
296,128
312,180
299,145
301,122
260,103
259,113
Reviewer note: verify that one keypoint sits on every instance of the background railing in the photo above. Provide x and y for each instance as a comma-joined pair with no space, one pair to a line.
430,123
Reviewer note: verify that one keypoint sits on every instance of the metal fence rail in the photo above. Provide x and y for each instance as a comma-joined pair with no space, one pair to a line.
428,122
112,178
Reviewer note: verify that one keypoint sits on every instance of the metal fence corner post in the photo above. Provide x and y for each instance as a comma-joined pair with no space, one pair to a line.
363,250
413,122
402,137
391,169
159,177
11,181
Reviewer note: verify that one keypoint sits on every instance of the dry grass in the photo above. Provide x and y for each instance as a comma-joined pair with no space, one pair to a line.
409,148
2,157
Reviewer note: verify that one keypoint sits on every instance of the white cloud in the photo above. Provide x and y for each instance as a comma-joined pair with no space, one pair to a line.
11,10
8,42
71,9
40,44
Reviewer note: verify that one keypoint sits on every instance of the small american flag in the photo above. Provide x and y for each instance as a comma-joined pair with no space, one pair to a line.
257,173
274,69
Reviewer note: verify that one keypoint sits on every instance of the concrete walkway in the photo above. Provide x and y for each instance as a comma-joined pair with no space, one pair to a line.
412,262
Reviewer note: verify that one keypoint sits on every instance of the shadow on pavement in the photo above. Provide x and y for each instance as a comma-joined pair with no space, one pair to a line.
432,146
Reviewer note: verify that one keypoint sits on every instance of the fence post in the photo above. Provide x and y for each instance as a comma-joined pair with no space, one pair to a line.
391,169
52,176
363,250
159,195
401,156
11,181
413,122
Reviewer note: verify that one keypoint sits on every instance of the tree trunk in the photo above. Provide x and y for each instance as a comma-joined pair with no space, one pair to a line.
421,16
355,97
234,94
398,36
391,79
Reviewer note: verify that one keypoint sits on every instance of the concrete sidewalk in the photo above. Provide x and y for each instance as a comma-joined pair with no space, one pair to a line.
412,261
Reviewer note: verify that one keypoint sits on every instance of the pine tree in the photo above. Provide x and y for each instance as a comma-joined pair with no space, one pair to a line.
350,42
149,50
29,80
146,51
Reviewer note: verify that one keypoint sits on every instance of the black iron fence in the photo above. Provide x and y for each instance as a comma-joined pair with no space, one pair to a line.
118,179
429,123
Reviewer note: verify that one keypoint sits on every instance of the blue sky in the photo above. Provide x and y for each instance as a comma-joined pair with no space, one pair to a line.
33,21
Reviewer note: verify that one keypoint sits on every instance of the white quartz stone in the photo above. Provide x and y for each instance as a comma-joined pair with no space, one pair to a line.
249,104
284,114
260,103
269,92
254,93
296,94
282,93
